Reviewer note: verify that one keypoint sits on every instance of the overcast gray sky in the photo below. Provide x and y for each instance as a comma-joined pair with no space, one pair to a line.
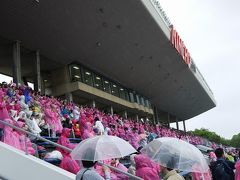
210,30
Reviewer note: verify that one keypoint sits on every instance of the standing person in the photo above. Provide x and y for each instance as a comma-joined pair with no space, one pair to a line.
145,168
67,162
237,166
170,174
115,163
222,169
99,126
87,171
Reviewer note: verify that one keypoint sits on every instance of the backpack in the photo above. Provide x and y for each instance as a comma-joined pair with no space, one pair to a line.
221,171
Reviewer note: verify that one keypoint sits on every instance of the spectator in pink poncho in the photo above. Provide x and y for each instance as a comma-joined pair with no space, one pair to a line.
64,141
134,138
67,162
212,157
3,113
120,166
200,176
49,115
145,168
56,120
237,166
88,131
22,138
10,136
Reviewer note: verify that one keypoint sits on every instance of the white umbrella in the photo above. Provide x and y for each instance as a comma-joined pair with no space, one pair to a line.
176,154
102,148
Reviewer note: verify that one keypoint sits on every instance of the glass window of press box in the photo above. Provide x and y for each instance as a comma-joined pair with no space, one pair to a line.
75,73
137,99
98,82
123,93
114,89
142,101
107,86
146,103
79,73
127,95
131,97
87,77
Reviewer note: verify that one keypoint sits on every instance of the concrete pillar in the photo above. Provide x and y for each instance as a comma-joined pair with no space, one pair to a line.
93,103
17,76
69,97
157,119
111,110
42,86
137,118
177,124
37,73
184,126
168,118
125,114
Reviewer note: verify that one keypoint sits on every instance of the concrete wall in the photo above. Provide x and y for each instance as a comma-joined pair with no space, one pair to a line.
15,165
151,6
78,86
60,76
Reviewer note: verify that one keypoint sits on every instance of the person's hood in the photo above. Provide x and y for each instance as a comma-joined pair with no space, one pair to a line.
142,161
22,98
212,155
237,165
66,132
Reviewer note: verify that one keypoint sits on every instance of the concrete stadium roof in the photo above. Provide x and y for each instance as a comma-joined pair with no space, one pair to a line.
125,40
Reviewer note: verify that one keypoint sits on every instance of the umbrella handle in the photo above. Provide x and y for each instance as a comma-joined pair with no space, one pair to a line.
118,170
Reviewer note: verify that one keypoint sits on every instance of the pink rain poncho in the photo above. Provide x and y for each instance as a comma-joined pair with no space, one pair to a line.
69,164
145,168
237,173
51,118
49,115
133,139
200,176
99,169
22,137
10,136
64,141
120,176
87,132
3,113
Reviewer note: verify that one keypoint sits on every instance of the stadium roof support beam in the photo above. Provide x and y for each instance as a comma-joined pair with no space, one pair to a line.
137,118
184,126
177,124
93,103
69,97
125,114
37,73
168,118
111,110
17,77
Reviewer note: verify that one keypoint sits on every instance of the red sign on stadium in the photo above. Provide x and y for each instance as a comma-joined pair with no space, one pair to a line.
180,47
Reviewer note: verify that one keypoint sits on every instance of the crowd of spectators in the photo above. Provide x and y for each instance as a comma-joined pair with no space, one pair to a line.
49,116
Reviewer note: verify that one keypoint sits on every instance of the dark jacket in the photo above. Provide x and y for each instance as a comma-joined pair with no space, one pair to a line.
222,170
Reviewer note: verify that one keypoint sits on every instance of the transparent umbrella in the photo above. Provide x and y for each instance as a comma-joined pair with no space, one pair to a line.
176,154
102,148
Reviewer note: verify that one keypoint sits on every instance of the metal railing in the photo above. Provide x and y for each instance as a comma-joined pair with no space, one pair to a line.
62,147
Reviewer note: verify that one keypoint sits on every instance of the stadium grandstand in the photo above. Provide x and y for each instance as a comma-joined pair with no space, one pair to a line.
120,61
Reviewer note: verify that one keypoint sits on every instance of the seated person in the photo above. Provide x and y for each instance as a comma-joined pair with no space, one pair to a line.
87,171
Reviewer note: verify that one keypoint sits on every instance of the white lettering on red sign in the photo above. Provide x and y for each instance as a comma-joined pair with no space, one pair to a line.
180,47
